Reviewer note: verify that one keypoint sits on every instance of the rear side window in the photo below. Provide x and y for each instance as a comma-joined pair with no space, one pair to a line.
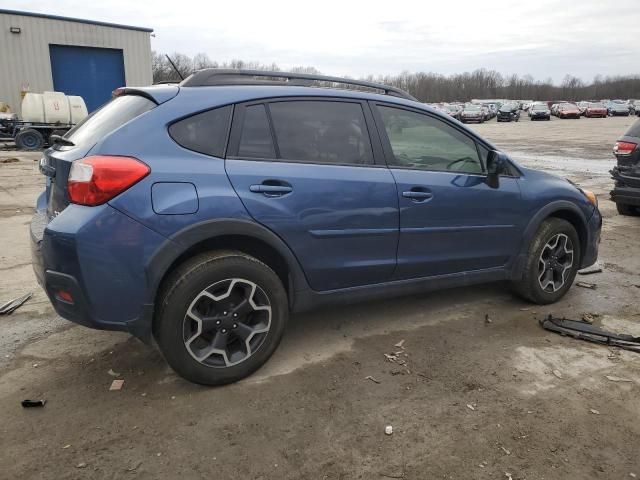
255,140
106,119
204,132
634,130
321,132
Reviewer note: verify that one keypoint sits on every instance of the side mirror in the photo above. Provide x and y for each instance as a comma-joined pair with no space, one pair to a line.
495,166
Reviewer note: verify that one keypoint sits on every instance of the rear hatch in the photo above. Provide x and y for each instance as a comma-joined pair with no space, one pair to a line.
627,152
80,140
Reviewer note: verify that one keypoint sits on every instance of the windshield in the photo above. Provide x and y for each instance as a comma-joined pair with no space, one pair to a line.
472,108
540,107
451,108
596,105
107,118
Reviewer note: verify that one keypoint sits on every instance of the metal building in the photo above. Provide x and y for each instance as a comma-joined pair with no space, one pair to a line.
41,52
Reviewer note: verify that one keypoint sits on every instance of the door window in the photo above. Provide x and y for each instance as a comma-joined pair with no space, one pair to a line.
256,140
321,132
426,143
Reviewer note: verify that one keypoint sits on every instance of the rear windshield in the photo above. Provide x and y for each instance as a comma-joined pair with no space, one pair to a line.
107,118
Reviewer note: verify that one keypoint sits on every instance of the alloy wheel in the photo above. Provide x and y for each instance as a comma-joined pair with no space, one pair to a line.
555,262
227,322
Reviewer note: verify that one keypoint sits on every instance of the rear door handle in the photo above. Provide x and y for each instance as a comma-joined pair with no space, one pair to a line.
271,190
417,195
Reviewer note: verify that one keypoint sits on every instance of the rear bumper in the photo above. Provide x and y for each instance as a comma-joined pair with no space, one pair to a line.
627,187
97,257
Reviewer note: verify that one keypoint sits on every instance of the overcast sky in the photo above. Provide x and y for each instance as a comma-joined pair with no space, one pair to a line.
544,38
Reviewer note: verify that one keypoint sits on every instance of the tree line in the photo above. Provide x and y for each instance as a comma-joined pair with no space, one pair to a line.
434,87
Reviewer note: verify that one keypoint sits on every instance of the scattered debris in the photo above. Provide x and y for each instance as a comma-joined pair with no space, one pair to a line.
10,160
113,373
590,317
33,403
388,430
116,385
585,331
399,344
66,446
618,379
487,319
12,305
135,466
632,475
508,452
369,377
35,365
594,411
557,373
471,407
590,270
525,309
592,286
508,475
81,465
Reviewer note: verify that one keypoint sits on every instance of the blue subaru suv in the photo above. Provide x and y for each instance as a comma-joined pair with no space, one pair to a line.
202,214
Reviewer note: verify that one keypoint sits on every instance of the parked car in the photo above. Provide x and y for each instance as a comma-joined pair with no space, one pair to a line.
568,110
539,111
582,106
595,110
204,214
626,174
508,112
472,113
453,111
617,109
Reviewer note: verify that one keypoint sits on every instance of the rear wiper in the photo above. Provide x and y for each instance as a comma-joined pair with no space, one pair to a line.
61,140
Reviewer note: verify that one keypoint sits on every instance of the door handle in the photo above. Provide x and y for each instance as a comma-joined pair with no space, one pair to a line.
271,190
417,195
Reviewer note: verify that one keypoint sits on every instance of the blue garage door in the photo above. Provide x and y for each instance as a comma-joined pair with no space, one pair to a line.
92,73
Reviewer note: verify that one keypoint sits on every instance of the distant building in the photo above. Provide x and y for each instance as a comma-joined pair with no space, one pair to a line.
41,52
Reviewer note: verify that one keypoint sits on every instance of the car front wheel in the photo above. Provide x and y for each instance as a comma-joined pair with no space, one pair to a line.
221,316
552,262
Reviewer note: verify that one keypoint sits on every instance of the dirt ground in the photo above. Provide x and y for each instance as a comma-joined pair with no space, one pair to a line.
467,399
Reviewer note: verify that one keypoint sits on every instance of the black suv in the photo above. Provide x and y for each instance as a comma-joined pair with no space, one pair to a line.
626,174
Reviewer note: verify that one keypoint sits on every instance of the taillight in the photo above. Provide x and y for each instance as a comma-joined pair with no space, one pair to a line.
624,148
97,179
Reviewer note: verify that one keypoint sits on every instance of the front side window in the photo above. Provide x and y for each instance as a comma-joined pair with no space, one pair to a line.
321,132
204,132
426,143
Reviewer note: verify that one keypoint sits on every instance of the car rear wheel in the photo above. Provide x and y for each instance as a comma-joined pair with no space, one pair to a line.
552,263
221,317
625,209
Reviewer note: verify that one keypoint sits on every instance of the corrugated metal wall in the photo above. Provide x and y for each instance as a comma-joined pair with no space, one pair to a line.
24,57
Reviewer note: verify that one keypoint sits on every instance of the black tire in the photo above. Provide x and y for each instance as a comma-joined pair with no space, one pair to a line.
626,209
185,287
530,287
29,139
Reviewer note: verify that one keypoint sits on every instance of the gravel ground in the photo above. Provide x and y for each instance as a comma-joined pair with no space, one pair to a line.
466,398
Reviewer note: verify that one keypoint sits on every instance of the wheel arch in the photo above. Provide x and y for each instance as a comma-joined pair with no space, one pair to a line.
239,235
562,209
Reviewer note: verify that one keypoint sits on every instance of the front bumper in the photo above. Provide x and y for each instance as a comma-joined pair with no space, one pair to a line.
594,227
96,256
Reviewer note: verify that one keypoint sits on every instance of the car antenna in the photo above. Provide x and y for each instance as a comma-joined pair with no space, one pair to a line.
174,66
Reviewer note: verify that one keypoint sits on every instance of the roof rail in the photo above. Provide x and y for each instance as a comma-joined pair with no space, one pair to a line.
224,76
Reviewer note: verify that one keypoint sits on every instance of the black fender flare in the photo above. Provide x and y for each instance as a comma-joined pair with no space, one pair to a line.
534,224
181,241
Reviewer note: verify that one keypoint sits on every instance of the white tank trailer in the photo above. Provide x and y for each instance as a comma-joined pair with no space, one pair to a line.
43,115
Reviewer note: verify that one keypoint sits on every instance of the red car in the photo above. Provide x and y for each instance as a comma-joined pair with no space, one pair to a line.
568,110
595,110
